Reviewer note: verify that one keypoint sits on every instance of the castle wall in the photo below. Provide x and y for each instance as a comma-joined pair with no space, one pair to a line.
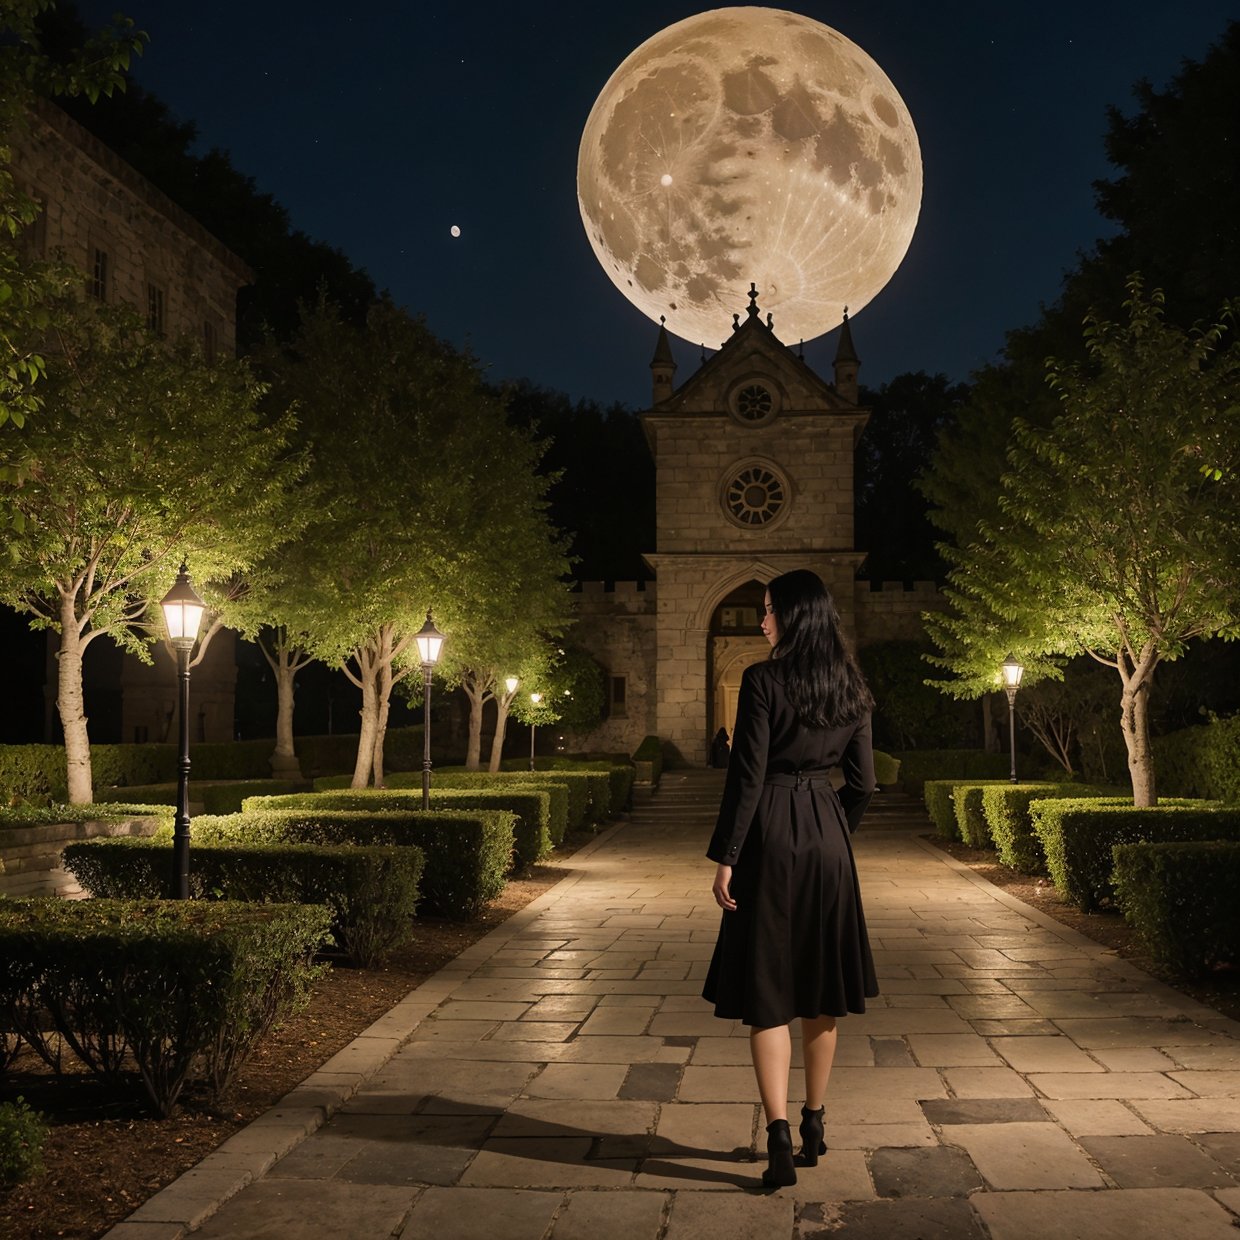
893,612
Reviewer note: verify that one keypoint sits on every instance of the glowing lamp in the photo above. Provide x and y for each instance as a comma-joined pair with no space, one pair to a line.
430,642
1013,670
182,608
511,684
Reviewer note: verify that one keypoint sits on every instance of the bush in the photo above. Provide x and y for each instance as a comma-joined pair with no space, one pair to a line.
468,853
975,765
47,815
532,807
1006,810
886,769
1078,835
372,892
1181,900
587,782
971,824
650,750
22,1133
576,788
222,798
182,986
938,796
1202,761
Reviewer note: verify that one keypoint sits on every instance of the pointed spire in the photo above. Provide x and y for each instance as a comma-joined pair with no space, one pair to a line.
662,365
846,351
847,364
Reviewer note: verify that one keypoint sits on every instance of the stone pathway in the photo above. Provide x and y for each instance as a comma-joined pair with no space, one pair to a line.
562,1079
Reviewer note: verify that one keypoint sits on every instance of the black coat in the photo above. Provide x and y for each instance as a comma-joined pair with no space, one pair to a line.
796,944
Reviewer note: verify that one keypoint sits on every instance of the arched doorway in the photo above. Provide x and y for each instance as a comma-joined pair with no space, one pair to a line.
734,643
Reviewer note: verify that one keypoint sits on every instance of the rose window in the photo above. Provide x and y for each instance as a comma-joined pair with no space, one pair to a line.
754,403
755,496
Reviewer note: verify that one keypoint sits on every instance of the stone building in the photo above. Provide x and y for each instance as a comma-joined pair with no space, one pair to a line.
134,246
754,477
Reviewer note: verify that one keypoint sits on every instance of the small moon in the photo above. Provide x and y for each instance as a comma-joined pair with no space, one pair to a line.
455,230
706,164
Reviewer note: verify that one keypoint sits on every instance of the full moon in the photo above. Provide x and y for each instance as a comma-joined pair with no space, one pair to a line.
749,145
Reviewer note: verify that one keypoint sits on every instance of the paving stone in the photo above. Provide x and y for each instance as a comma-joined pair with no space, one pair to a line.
707,1217
1096,1117
941,1050
879,1082
1223,1147
1216,1058
872,1136
940,1171
987,1083
617,1020
1134,1031
1106,1085
1191,1114
657,1082
922,1218
1024,1155
728,1084
1135,1059
1054,1054
322,1211
471,1214
1210,1084
991,1007
891,1053
1156,1162
578,1080
982,1110
1131,1214
590,1215
1013,1028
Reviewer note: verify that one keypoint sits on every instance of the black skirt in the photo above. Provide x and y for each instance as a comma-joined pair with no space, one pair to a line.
796,945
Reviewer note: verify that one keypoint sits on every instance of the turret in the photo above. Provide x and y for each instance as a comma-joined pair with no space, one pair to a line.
662,366
847,364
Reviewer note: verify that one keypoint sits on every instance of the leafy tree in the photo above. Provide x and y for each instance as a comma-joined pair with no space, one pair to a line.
907,415
143,455
1118,525
910,714
428,498
571,692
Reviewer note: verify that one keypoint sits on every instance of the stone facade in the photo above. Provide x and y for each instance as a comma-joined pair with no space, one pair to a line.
133,246
754,477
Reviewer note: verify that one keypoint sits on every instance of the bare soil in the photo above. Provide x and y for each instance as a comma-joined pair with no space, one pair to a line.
105,1155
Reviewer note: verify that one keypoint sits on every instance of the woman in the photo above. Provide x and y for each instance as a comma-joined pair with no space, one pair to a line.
792,942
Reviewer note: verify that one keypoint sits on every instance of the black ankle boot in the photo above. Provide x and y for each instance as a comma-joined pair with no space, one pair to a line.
812,1143
780,1172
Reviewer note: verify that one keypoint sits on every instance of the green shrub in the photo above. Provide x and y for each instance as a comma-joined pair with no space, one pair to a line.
1181,900
182,986
222,798
575,786
597,783
1202,761
468,853
1078,835
47,815
886,769
1006,810
940,805
651,750
532,807
975,765
971,824
372,892
22,1133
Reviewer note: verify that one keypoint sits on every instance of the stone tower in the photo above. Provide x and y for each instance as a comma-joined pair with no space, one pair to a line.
754,477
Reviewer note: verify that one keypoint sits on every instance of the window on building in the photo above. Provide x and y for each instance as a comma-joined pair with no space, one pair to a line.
100,274
155,308
617,694
210,341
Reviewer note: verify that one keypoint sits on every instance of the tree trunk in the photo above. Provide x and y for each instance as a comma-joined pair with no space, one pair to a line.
285,661
366,680
473,746
383,680
501,726
1135,723
70,703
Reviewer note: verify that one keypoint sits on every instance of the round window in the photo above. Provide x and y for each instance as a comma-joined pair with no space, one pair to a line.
755,496
754,402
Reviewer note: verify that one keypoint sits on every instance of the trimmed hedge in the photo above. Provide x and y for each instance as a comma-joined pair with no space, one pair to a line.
940,805
1181,900
971,824
575,787
468,853
1202,761
974,765
1006,810
589,783
532,807
225,798
372,892
47,815
184,987
886,769
1078,835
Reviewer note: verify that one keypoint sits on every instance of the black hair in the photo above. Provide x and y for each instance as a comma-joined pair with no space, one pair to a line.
824,682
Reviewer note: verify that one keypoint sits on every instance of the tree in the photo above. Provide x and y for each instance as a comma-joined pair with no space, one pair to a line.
906,417
428,499
1118,526
143,455
570,689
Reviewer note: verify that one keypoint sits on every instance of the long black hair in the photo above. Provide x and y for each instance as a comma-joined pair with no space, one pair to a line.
824,683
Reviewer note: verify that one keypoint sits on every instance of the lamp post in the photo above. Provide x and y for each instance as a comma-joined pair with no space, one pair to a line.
182,610
535,698
1012,672
430,643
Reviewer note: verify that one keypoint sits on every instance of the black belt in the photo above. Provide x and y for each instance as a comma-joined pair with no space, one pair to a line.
801,779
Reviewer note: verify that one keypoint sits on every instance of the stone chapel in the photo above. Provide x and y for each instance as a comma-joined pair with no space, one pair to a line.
754,477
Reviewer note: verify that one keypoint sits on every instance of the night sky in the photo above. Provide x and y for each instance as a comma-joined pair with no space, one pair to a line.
380,126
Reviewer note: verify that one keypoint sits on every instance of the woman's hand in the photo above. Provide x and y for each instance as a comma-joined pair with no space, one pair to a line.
722,888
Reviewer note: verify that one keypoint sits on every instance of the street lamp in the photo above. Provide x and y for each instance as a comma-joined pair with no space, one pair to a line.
182,615
430,643
535,698
511,683
1012,672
